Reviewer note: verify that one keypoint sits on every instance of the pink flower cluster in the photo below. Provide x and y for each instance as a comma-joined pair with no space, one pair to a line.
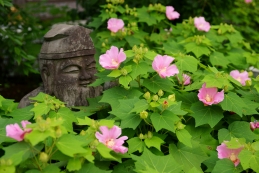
16,132
109,138
240,77
115,25
232,154
254,125
112,58
171,14
201,24
210,96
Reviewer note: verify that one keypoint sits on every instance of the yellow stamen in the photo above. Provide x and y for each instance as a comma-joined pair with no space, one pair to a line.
114,62
233,157
208,98
110,143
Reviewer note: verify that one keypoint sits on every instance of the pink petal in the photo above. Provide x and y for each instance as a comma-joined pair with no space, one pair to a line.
121,56
172,70
115,25
120,149
115,132
234,74
14,131
121,140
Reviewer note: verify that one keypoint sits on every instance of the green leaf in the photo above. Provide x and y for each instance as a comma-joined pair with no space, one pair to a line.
186,63
188,157
125,80
105,152
235,143
184,136
139,69
74,164
113,95
91,168
129,53
171,47
156,83
70,145
166,120
198,50
176,109
96,23
128,119
232,102
39,98
187,99
217,58
8,169
154,142
150,55
125,167
135,144
133,40
1,99
206,114
216,80
211,161
22,114
69,118
249,159
140,105
144,16
237,129
115,73
50,169
226,166
19,152
40,109
86,121
161,164
37,136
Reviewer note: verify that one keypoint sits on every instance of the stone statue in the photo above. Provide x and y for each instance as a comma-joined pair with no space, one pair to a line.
67,66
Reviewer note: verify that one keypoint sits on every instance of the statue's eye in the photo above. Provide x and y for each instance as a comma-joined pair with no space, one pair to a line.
71,69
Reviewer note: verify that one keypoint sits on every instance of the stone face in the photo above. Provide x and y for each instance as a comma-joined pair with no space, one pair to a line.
67,66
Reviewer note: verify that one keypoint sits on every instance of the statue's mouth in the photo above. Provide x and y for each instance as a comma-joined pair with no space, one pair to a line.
84,83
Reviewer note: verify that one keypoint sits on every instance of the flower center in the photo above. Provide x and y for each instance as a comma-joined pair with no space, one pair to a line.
233,157
208,98
163,70
201,25
239,79
114,62
110,143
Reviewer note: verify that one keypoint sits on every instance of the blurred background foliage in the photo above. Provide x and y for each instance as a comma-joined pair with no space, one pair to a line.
22,30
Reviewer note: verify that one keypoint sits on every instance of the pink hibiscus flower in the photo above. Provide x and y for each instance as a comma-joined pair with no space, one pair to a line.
16,132
201,24
171,14
115,25
109,138
240,77
248,1
112,58
186,79
210,96
254,125
161,65
232,154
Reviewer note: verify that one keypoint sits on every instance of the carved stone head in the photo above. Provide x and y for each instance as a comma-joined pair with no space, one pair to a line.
67,64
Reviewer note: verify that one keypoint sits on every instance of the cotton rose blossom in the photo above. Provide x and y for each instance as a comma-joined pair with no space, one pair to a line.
109,137
112,58
254,125
186,79
240,77
248,1
210,96
232,154
161,64
171,14
16,132
115,25
201,24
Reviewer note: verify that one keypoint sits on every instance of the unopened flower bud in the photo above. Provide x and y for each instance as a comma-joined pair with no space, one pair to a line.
180,125
9,162
250,74
82,133
165,104
143,114
225,88
2,162
147,95
141,136
155,97
248,82
44,157
171,97
42,126
145,136
94,144
58,132
124,72
160,93
149,135
103,44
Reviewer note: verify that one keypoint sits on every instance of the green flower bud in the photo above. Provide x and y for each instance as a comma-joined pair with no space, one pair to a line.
143,114
250,73
141,136
58,132
9,162
248,83
2,162
149,135
103,44
171,97
82,133
44,157
124,72
160,93
165,104
180,125
147,95
94,144
155,97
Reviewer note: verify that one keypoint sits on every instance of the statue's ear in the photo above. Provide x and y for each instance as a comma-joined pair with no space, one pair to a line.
47,79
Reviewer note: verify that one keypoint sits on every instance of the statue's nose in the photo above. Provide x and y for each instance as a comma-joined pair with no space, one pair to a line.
84,75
